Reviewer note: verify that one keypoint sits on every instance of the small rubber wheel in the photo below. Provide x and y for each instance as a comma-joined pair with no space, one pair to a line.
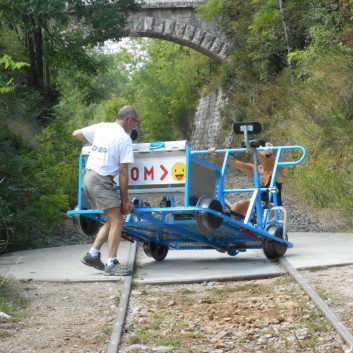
232,251
155,250
273,250
269,250
85,225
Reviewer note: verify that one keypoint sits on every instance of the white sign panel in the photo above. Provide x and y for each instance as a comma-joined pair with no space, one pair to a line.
156,170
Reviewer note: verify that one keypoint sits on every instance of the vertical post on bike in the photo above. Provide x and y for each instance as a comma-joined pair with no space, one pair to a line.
256,199
79,191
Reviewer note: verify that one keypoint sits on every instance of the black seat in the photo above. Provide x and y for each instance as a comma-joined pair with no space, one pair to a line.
250,127
254,143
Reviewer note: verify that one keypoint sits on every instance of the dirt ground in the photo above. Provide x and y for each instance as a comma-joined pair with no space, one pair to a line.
62,318
270,315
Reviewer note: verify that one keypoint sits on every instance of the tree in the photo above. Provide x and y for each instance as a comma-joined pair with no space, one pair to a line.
286,36
48,28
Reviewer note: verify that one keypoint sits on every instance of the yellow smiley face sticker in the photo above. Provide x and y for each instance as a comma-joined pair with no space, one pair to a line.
178,171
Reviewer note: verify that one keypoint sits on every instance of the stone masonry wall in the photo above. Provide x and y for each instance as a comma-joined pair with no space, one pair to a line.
208,122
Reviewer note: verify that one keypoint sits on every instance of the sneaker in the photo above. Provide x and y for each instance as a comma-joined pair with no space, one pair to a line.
93,261
116,269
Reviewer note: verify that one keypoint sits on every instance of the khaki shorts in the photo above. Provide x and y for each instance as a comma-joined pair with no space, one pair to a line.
101,192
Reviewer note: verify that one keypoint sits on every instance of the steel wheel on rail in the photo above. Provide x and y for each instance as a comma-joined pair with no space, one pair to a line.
155,250
272,249
85,225
207,222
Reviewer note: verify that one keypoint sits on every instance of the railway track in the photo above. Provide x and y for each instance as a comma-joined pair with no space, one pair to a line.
343,331
331,317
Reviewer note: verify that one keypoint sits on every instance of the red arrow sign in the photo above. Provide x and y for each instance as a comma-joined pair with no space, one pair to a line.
165,172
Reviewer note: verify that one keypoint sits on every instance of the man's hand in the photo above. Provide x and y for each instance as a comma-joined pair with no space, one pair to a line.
125,208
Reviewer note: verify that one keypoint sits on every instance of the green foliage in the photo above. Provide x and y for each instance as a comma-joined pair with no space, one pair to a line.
266,16
31,201
166,89
107,19
8,64
315,110
212,8
224,12
56,33
16,193
318,114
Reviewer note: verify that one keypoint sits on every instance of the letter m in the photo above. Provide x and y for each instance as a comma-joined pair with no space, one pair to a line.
148,173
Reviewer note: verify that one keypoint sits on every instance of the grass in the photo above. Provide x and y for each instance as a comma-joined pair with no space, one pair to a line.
186,291
156,324
148,335
239,288
11,303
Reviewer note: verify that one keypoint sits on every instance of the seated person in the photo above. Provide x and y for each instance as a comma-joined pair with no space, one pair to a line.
265,168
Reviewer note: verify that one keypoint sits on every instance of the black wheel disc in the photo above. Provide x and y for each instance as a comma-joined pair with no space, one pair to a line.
85,225
155,250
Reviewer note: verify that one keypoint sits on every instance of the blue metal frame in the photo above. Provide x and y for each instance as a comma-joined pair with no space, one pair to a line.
177,227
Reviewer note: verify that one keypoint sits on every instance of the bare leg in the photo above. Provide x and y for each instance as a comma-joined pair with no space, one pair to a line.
116,226
102,236
241,207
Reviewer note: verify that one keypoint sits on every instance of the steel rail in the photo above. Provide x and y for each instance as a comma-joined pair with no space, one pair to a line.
115,338
324,308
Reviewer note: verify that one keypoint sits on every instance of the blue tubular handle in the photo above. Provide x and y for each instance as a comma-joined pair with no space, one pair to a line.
156,145
300,160
279,149
231,150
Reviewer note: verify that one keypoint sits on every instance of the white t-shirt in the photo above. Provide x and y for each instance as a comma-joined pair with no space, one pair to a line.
111,145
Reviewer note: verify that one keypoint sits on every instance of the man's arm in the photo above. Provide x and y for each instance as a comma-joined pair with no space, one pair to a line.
123,186
235,163
79,136
244,167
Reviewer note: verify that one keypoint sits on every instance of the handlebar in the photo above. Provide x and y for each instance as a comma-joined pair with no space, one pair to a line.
278,149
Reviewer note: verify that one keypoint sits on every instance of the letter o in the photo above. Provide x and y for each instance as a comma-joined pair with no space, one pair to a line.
134,173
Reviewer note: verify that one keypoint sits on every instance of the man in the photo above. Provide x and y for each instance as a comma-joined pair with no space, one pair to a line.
110,155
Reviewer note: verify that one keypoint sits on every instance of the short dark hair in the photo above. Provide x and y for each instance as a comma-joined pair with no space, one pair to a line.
126,112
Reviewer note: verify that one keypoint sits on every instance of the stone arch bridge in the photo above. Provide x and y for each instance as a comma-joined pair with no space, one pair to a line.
176,21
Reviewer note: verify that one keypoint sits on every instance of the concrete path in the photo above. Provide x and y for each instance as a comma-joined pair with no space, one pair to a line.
58,264
310,250
64,263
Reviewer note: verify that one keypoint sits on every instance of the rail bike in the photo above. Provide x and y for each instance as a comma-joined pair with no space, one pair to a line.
191,211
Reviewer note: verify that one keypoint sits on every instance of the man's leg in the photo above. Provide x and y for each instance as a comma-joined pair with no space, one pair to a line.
93,257
116,226
241,207
102,236
113,267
